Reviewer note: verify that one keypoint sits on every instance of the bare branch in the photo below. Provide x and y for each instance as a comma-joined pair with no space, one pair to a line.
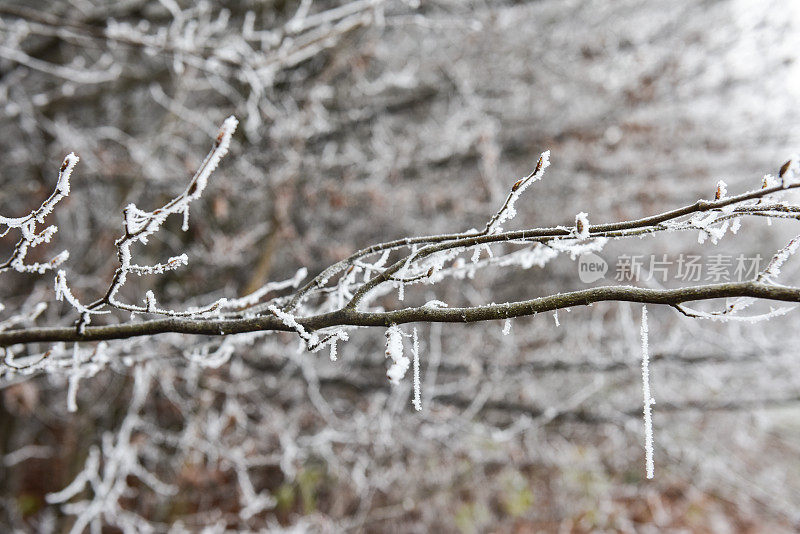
352,317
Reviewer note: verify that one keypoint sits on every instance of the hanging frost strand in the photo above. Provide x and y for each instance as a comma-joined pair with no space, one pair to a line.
648,400
417,401
507,327
185,225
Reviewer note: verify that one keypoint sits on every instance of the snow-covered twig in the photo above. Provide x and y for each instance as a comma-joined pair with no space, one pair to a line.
27,226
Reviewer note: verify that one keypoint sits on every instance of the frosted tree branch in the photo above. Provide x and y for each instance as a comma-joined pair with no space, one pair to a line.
139,225
427,260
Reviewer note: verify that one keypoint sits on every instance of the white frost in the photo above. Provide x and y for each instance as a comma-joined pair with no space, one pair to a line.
394,351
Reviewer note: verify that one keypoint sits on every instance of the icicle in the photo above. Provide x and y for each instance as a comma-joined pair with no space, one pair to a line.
555,318
648,400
